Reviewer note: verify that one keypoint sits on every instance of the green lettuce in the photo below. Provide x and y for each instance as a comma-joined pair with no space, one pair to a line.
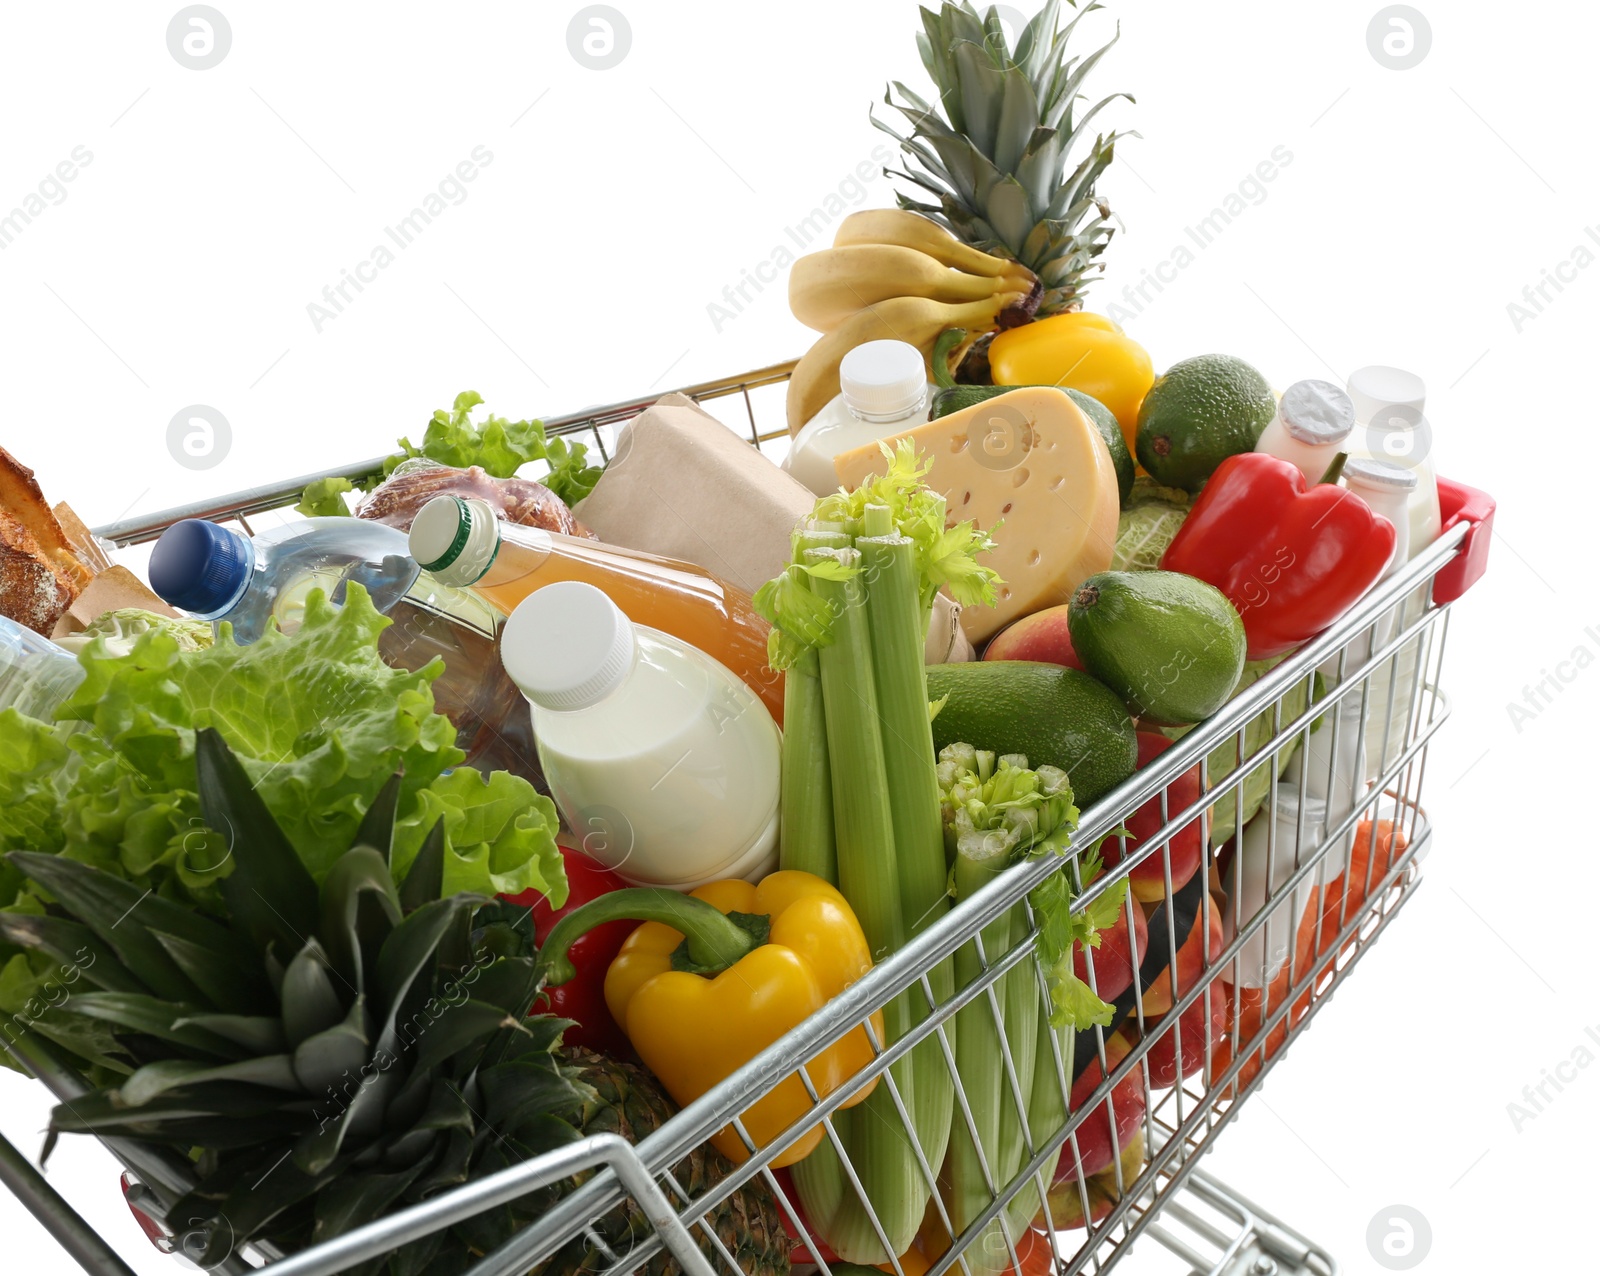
319,722
1148,522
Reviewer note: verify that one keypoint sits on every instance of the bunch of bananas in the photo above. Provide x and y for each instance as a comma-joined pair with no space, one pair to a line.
894,275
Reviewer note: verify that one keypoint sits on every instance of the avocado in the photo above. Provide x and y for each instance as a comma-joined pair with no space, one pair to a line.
1055,715
1198,413
954,398
1172,646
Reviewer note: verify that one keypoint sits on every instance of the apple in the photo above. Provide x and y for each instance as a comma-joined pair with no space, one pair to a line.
1040,636
1116,959
1066,1197
1120,1113
1187,847
1204,1024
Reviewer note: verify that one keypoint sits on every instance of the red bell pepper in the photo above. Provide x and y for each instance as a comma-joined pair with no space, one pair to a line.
582,998
1291,560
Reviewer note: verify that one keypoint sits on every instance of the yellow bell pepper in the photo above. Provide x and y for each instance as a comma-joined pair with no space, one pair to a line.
714,977
1078,351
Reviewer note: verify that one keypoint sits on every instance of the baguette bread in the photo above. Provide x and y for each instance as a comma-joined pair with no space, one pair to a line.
41,573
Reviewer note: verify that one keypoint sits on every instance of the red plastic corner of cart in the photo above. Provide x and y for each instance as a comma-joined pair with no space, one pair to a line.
153,1230
1459,503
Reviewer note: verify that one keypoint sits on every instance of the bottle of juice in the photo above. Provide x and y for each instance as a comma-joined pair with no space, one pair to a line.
659,758
460,543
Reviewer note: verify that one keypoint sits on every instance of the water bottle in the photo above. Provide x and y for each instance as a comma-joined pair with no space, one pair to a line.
36,676
215,573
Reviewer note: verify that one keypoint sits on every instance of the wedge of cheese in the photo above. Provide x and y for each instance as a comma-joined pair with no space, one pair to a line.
1031,462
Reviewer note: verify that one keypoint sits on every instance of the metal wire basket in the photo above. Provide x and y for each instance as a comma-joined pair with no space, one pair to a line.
1261,972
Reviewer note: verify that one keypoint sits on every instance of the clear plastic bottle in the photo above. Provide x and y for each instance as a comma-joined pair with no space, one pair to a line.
663,762
1314,419
36,676
215,573
463,545
883,390
1390,427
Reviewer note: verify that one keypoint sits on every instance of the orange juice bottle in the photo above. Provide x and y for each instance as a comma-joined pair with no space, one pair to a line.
462,544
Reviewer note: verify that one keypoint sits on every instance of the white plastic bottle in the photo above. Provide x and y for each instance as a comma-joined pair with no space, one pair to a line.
1265,861
883,391
660,759
1390,427
1336,772
1314,420
1388,488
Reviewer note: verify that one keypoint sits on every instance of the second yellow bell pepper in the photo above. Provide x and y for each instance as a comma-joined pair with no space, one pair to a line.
714,977
1080,351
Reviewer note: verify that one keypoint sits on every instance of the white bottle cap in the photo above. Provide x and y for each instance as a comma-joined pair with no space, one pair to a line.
1381,393
1383,476
883,380
1291,802
1317,413
455,540
567,646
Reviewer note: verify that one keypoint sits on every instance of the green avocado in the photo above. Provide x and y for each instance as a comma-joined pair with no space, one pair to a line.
1198,413
954,398
1056,716
1171,646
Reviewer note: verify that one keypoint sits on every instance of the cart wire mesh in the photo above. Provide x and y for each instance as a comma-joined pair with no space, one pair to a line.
1220,987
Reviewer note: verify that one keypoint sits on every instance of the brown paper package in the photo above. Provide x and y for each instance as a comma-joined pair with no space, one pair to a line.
683,485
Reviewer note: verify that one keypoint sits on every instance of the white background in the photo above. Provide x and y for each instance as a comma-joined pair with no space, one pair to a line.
1419,203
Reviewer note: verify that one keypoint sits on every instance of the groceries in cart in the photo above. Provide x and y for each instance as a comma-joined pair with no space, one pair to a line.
912,818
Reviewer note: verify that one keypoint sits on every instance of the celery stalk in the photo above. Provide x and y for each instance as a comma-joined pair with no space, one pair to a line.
806,824
896,625
872,1131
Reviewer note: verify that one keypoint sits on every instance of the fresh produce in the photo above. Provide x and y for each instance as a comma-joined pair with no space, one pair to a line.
317,720
1040,636
714,977
996,164
1197,414
1115,955
1197,953
1170,645
1291,560
1151,516
332,1052
497,445
1101,1191
1056,717
120,629
918,321
1111,1125
861,798
626,1100
1081,351
1181,1042
996,813
582,999
1184,852
826,288
1031,461
951,397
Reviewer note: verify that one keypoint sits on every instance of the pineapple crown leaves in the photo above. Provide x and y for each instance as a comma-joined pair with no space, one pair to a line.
996,163
327,1049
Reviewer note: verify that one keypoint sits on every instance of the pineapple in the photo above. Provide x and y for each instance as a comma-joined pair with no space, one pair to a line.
629,1102
996,161
326,1056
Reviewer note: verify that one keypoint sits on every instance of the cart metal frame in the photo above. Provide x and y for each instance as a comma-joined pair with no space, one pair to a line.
1394,636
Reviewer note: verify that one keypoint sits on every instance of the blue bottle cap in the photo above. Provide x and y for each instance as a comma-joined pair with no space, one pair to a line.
200,567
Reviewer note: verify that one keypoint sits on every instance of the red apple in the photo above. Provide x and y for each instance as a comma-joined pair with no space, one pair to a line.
1066,1196
1187,847
1121,1113
1041,636
1116,958
1204,1024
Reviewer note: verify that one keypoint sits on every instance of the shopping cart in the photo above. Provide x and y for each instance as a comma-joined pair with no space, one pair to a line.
1381,661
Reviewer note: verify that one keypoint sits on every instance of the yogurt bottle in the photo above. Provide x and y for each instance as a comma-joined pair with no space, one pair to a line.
883,390
1390,427
1314,420
663,763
